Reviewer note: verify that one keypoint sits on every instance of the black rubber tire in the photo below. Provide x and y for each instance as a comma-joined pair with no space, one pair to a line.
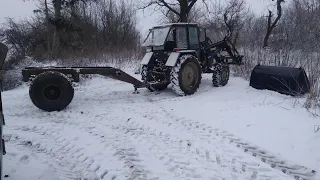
63,88
176,75
217,75
155,87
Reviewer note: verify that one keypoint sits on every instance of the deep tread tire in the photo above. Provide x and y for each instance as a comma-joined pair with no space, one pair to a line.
144,78
217,79
57,80
176,75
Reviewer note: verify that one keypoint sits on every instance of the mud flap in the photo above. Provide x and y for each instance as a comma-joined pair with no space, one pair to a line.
172,60
146,58
285,80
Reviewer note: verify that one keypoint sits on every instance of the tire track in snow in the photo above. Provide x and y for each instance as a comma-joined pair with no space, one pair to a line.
58,151
137,164
144,95
114,139
185,164
276,162
94,160
144,142
191,161
204,146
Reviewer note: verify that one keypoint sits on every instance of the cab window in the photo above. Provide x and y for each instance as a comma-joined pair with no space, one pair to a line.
193,38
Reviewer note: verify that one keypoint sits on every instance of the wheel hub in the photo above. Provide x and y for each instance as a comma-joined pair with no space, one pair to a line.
189,75
52,92
224,75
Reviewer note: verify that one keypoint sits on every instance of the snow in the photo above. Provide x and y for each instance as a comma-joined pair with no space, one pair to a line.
107,132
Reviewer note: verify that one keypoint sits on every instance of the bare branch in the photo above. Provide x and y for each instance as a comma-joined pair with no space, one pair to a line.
270,25
164,3
191,5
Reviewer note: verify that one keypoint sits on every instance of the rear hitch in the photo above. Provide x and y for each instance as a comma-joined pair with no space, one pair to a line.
135,90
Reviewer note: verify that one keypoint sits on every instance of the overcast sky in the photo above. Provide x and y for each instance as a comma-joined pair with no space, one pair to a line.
18,9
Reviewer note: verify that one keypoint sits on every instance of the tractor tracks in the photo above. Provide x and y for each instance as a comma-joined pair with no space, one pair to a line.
105,156
115,148
144,141
204,131
65,159
177,157
142,148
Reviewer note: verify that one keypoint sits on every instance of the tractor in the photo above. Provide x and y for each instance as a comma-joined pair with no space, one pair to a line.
179,53
176,54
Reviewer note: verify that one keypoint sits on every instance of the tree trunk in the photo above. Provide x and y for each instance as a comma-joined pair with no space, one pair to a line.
266,38
48,26
270,25
56,33
269,30
183,10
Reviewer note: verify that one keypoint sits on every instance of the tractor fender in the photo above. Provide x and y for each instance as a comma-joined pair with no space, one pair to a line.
146,58
174,56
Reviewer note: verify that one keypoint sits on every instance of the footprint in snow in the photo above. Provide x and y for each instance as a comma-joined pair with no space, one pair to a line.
24,159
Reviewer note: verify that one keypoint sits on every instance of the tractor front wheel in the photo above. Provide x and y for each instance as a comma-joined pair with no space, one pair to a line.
51,91
220,75
186,77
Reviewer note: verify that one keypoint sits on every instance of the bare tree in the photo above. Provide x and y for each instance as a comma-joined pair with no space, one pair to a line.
46,10
271,25
233,17
181,8
195,15
57,4
58,21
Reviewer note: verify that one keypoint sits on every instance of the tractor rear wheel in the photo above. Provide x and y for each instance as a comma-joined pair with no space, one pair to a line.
145,78
220,75
51,91
186,76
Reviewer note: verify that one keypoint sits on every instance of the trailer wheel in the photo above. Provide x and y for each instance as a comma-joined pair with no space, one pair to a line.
186,76
51,91
220,75
145,78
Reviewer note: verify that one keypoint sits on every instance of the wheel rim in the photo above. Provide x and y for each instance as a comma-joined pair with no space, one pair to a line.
52,92
224,75
190,75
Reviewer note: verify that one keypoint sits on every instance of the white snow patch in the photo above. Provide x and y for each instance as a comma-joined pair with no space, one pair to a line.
109,132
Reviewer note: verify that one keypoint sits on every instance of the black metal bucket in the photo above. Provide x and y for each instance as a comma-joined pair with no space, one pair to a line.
285,80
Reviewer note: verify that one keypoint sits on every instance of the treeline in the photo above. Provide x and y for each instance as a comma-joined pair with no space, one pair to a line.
294,42
82,29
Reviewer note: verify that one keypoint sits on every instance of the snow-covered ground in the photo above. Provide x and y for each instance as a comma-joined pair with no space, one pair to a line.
107,132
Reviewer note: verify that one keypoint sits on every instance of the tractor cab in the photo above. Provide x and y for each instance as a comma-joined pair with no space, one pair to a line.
178,37
173,37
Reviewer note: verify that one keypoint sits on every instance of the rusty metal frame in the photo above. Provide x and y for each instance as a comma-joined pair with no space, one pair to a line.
74,74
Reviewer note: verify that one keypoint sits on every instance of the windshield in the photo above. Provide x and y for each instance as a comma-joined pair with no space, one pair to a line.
156,37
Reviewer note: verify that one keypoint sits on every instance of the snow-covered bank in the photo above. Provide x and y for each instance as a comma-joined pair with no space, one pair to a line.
109,133
268,119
